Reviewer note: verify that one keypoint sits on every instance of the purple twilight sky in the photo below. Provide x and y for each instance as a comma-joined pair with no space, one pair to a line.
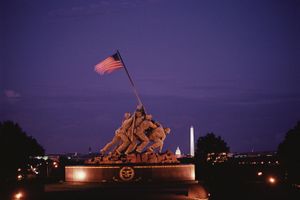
228,67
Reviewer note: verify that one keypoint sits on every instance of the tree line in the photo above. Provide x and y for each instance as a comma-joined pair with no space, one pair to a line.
288,150
16,147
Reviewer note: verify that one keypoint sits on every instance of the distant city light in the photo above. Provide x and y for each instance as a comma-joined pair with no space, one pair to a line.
217,157
259,173
19,177
55,164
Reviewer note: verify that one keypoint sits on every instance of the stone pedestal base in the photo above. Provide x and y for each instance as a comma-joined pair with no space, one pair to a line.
130,173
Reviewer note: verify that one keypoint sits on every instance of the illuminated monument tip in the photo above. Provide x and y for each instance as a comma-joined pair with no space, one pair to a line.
192,148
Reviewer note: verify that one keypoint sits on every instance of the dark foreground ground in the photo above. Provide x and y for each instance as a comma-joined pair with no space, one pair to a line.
253,190
232,181
118,191
222,183
218,191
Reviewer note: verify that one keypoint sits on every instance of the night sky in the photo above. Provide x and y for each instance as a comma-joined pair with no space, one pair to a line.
229,67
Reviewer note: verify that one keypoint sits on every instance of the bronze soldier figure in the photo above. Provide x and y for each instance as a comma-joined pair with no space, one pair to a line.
120,136
158,136
140,132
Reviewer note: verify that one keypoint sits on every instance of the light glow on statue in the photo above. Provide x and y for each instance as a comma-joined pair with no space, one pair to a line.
79,175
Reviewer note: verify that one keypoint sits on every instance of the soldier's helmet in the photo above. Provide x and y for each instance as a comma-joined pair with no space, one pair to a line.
117,131
127,115
138,114
140,108
158,124
167,130
148,117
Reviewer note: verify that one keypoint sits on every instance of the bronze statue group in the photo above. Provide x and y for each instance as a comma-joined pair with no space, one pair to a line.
135,133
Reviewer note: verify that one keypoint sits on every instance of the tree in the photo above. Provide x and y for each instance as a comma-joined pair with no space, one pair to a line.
209,144
288,151
16,147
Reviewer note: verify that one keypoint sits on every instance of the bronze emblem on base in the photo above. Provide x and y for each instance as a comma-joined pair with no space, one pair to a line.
126,173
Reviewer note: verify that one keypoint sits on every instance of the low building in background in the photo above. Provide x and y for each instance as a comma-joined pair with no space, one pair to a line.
178,153
217,157
248,158
256,158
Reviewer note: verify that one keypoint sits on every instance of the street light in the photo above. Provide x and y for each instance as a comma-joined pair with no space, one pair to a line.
55,164
18,195
272,180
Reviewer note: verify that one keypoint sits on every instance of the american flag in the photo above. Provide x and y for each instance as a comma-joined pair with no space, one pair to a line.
109,65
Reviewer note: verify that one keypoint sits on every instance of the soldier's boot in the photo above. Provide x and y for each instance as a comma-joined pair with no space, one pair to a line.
102,152
130,148
138,151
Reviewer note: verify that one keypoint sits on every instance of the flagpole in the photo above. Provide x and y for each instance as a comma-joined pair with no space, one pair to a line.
130,79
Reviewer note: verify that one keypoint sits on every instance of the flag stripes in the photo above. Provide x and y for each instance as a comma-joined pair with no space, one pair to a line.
109,65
